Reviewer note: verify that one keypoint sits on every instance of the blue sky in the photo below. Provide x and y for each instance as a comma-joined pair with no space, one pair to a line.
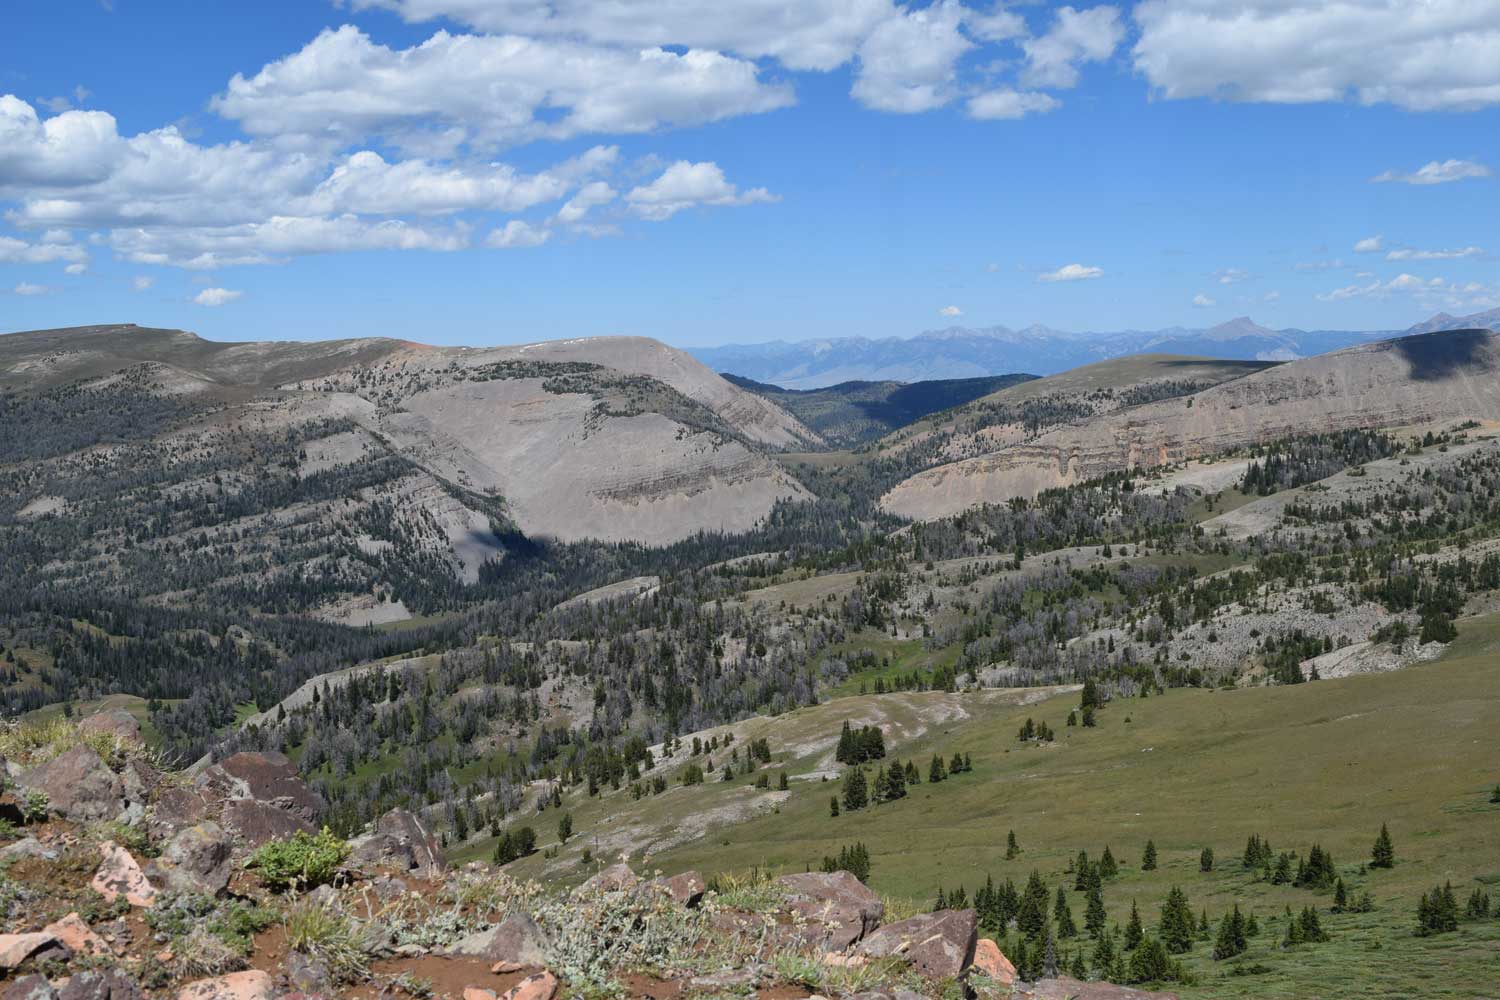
498,171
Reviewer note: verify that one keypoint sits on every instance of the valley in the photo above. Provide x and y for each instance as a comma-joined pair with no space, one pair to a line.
576,602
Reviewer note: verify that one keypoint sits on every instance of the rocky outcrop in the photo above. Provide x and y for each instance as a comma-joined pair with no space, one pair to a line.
401,840
77,936
838,908
79,786
17,948
195,860
116,722
990,961
101,984
252,797
615,878
938,945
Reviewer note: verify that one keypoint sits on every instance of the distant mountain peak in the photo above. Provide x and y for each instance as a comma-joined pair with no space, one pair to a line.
1234,329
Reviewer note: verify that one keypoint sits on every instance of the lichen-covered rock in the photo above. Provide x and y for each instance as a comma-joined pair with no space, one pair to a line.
196,859
254,822
403,841
101,984
32,987
120,875
839,909
79,786
251,985
78,936
116,722
517,939
267,777
938,945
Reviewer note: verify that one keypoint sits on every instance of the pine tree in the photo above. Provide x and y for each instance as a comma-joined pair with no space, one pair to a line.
936,771
1252,926
1148,859
1133,929
1094,917
1231,940
565,828
1104,955
1206,860
856,790
1176,928
1383,854
1081,868
1012,849
1437,911
1031,916
1077,969
1203,927
1062,916
833,805
1108,866
1149,963
1340,897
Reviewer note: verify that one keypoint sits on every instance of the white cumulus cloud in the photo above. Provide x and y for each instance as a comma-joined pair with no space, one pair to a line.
27,288
1436,173
1370,244
1202,301
950,311
1075,37
216,296
517,233
685,185
1072,272
1436,54
1007,103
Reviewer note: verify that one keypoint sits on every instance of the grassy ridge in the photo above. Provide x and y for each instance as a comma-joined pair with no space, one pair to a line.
1319,763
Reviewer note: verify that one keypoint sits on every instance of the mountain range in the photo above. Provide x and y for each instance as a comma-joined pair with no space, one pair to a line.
962,352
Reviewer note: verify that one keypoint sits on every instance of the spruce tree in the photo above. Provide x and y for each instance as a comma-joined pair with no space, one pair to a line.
1094,917
1012,849
1062,916
1206,860
936,771
833,805
1104,955
1149,963
1031,917
1133,929
1383,854
1108,866
1081,868
1176,928
1231,940
856,790
1148,859
1340,897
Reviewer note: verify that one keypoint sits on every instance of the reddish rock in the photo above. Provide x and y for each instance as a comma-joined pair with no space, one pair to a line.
251,985
17,948
539,986
939,945
116,722
615,878
77,935
990,960
506,968
120,875
842,909
686,888
266,777
475,993
79,785
256,822
176,809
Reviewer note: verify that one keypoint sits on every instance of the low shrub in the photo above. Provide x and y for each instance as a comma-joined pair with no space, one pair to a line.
303,861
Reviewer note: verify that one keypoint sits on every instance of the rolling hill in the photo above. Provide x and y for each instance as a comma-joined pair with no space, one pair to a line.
1392,383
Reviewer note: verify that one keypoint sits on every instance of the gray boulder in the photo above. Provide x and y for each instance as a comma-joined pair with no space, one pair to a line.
515,939
197,859
100,984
